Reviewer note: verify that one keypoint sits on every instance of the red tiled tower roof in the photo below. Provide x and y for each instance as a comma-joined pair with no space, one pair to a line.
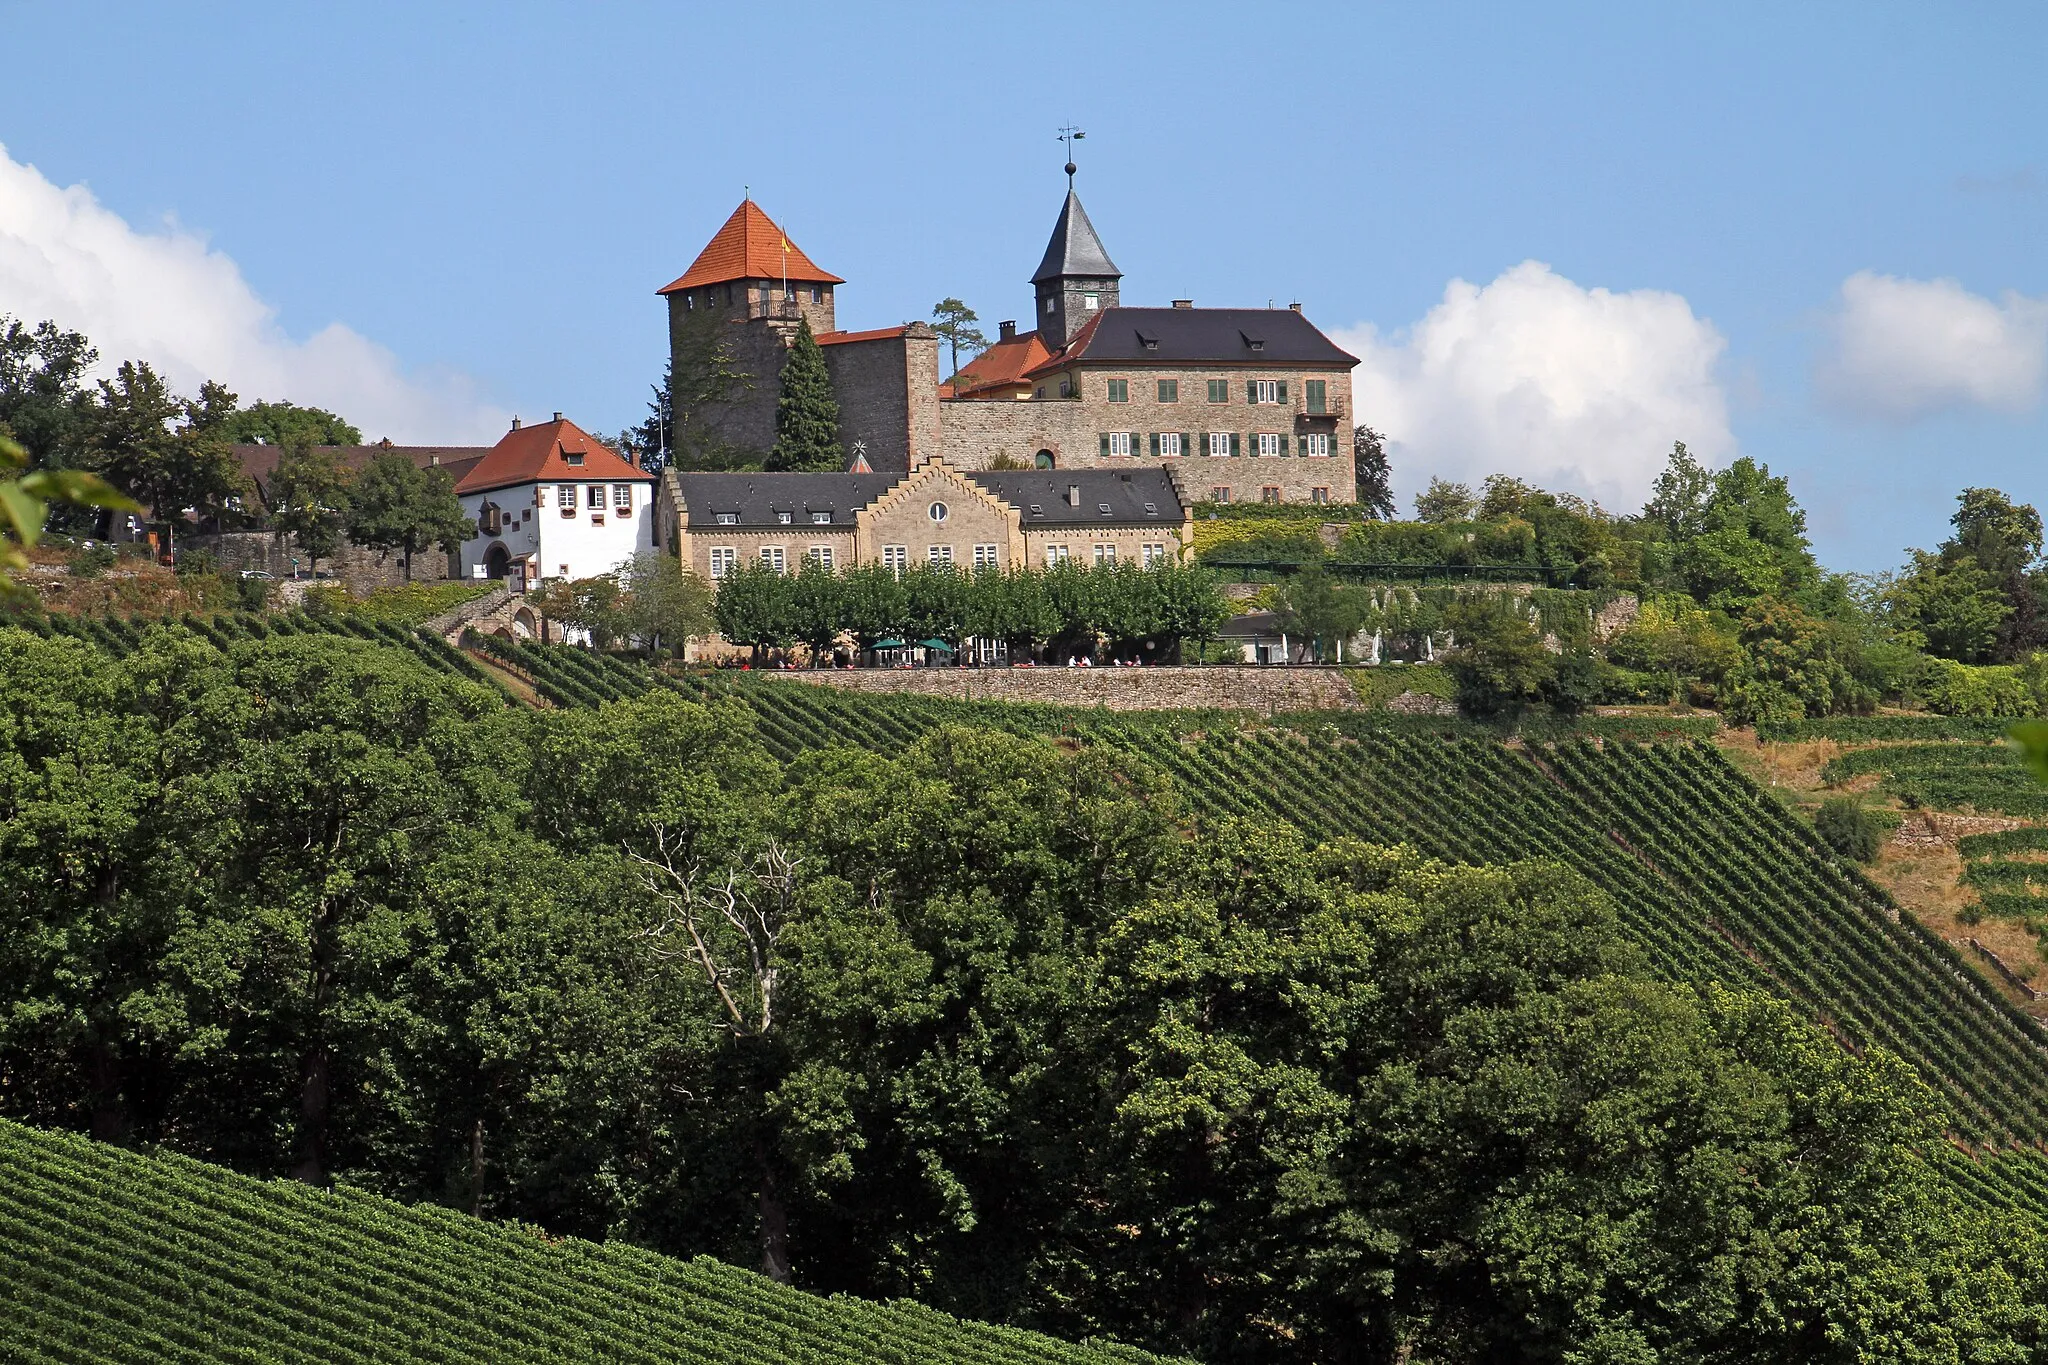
750,247
541,453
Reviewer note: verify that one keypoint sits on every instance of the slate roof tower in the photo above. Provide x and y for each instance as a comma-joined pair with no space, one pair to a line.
1076,280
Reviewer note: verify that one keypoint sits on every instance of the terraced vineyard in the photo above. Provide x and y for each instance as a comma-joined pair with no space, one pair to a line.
1986,778
106,1255
1715,879
120,635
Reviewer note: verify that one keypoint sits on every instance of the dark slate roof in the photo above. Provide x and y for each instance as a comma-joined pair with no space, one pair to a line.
1200,336
1040,496
1074,248
758,497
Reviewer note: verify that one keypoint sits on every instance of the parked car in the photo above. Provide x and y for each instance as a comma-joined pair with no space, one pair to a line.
257,573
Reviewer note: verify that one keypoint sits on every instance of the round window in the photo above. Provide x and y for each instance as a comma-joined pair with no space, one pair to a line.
937,511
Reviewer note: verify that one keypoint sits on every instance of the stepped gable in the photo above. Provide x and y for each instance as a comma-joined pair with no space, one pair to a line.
750,247
1074,248
1199,336
548,452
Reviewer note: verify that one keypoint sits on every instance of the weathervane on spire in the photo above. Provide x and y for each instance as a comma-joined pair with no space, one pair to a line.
1070,135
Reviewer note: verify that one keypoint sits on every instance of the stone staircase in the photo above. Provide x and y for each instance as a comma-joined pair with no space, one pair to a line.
483,614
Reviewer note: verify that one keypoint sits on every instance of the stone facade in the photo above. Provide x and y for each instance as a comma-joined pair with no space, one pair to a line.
878,519
1073,432
887,384
357,566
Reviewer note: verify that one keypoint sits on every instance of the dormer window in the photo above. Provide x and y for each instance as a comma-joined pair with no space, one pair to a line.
728,518
821,518
1150,343
575,459
1256,343
784,518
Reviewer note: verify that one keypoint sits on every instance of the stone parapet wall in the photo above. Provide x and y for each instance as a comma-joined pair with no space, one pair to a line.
1120,689
360,568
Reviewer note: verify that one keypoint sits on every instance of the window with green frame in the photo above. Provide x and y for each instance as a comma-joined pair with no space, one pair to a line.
1119,390
1219,391
1316,391
1169,390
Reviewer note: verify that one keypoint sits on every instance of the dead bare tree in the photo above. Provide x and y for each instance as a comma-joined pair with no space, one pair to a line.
756,904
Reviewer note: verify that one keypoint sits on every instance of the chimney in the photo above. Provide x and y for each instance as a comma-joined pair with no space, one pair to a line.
1295,306
1183,303
515,424
558,417
1073,495
1007,330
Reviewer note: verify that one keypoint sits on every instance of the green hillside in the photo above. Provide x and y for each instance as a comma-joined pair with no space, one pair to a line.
107,1255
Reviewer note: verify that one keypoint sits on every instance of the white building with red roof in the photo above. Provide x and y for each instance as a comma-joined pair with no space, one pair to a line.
552,501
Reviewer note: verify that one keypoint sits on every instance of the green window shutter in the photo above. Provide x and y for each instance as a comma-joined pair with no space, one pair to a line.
1187,444
1283,391
1105,445
1251,390
1234,447
1283,445
1153,442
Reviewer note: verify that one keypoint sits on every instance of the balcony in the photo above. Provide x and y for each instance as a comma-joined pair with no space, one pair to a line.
1332,410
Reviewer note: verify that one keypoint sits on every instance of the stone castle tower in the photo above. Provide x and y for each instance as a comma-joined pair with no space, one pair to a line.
733,315
1076,280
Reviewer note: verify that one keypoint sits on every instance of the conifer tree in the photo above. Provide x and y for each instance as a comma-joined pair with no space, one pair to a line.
806,415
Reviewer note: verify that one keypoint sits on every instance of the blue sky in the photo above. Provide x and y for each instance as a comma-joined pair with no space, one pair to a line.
445,214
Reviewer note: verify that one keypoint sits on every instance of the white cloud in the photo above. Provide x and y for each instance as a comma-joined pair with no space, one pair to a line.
1576,390
166,298
1903,349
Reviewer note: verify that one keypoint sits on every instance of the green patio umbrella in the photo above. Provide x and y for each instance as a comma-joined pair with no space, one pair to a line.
937,644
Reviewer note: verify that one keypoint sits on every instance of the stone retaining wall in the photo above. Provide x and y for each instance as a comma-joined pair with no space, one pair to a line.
1120,689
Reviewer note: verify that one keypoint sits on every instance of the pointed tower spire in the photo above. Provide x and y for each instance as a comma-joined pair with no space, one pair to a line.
1076,280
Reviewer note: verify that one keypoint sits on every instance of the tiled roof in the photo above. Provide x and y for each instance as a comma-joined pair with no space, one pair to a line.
259,461
841,338
1043,497
540,453
1005,363
750,247
1075,250
1200,336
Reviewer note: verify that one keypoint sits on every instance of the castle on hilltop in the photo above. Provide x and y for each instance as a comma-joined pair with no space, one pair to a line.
1236,404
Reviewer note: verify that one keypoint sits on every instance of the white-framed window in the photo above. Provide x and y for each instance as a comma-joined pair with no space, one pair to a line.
1055,554
565,498
984,556
1105,554
821,518
1154,552
939,554
821,555
1119,443
937,512
775,558
1265,390
726,518
1219,443
622,496
1091,302
1316,445
784,518
1269,443
596,496
1169,443
723,559
896,557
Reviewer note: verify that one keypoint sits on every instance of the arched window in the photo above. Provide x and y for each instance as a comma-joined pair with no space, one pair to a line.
1045,459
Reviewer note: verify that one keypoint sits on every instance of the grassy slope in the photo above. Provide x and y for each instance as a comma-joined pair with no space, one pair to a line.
108,1255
